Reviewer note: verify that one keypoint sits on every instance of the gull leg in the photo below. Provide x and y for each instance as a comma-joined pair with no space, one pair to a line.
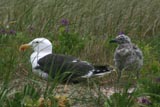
66,87
137,74
119,75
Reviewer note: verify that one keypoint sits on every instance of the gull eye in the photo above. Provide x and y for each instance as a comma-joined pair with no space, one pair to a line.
121,38
37,41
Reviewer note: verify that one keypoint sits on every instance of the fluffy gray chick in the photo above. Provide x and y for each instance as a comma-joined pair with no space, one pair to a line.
127,56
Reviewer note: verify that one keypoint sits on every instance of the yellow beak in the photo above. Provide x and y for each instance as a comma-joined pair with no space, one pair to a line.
24,47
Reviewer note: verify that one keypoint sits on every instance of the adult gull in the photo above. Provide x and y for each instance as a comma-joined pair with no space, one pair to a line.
45,63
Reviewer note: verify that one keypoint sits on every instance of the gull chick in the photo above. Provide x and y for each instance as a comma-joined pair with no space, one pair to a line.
127,56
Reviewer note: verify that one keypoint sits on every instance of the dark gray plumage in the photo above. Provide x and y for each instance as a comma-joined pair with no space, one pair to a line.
66,66
127,56
69,68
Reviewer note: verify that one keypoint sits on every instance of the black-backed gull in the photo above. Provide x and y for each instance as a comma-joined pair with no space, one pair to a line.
45,63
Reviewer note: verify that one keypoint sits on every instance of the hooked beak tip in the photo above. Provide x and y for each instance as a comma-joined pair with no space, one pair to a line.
24,47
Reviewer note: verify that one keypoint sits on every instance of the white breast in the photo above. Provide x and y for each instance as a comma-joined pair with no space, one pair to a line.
35,56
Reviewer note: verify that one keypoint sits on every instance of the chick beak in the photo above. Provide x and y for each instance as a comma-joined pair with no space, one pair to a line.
113,41
24,47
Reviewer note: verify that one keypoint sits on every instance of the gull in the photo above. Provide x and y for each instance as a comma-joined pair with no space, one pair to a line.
127,56
46,64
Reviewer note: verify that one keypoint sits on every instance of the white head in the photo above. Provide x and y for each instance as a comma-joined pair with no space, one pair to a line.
38,45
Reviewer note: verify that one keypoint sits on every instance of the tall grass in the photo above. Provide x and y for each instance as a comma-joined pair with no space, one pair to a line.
92,17
92,23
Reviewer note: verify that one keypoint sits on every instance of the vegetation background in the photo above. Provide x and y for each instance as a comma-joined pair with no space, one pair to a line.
81,28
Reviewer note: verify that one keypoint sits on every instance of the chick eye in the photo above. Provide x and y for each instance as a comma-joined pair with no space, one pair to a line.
37,42
121,38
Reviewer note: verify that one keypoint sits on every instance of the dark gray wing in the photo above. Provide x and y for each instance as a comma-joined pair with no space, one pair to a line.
54,64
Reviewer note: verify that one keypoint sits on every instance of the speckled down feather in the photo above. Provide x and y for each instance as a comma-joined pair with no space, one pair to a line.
127,56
